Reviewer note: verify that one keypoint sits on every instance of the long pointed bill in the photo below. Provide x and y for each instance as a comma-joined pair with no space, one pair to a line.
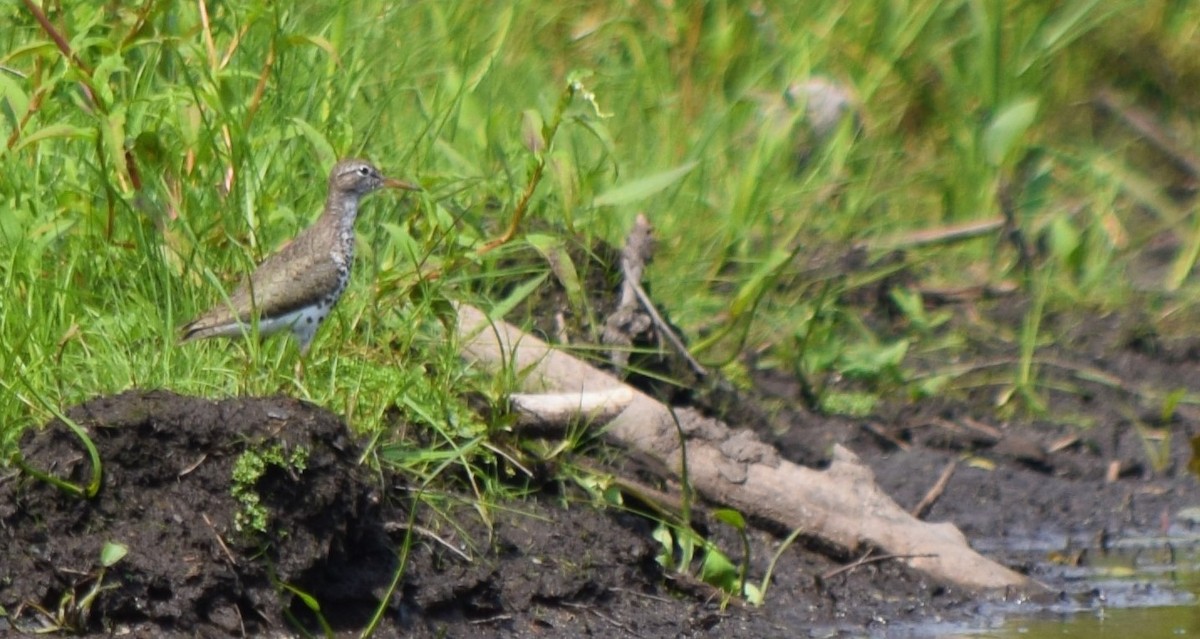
400,184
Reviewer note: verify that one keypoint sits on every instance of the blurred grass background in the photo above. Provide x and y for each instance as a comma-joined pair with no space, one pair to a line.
157,151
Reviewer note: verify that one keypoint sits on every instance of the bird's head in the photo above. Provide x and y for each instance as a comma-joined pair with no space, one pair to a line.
359,177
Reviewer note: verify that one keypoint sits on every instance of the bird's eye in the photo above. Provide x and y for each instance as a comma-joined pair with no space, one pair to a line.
362,170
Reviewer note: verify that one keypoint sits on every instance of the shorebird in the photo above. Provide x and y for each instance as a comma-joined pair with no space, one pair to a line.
295,288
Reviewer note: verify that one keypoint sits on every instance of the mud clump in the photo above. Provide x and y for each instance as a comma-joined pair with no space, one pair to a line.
168,466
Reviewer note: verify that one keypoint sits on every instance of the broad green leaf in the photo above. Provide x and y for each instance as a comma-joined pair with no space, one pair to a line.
40,47
109,66
113,135
531,131
318,42
503,20
1063,238
719,571
551,248
112,552
519,293
1006,128
731,517
14,102
320,144
643,188
56,131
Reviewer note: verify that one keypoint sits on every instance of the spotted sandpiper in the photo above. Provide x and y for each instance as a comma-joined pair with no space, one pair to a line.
295,288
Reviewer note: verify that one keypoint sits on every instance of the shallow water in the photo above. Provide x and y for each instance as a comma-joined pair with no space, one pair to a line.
1144,588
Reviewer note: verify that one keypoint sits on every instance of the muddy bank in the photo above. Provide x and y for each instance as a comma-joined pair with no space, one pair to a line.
555,565
335,533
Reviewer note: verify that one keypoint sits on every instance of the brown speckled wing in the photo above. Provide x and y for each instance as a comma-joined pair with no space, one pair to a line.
298,275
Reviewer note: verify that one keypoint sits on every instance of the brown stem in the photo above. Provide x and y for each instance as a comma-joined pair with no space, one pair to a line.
260,88
65,48
57,37
35,103
518,213
138,23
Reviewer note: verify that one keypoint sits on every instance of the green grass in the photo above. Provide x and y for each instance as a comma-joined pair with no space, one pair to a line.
116,225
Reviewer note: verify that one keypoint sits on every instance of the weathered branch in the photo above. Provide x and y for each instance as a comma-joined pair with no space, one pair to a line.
841,505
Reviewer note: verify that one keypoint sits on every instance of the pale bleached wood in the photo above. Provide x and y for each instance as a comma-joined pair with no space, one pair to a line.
841,505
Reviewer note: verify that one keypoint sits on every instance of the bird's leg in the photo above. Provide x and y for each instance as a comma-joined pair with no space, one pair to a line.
299,370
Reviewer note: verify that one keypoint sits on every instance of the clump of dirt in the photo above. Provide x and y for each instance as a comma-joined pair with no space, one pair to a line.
168,464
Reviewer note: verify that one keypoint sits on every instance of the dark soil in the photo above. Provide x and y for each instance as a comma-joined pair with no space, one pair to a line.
553,565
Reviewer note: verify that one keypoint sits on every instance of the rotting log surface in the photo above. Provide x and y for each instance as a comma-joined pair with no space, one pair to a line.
841,505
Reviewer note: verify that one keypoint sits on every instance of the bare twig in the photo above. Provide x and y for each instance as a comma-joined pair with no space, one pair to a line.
940,235
634,255
260,88
875,430
868,559
220,541
193,466
1143,123
594,611
935,493
390,526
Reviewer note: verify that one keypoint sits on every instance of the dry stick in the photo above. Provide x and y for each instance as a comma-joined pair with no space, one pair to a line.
592,609
922,508
879,432
866,559
666,330
1143,124
941,235
138,22
260,88
637,251
209,45
392,526
619,325
221,542
518,213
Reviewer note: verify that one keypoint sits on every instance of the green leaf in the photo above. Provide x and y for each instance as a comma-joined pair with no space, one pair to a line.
320,144
1006,128
719,571
14,102
56,131
502,20
563,267
731,517
112,552
113,135
531,131
868,360
643,188
1063,238
666,545
519,293
309,601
